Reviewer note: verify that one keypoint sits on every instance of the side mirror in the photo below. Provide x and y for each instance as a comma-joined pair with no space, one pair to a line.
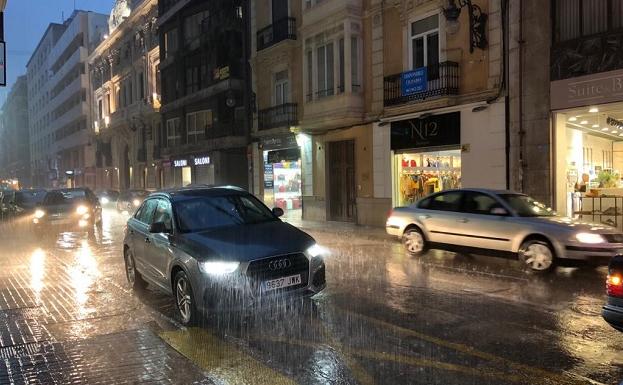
277,211
499,211
158,228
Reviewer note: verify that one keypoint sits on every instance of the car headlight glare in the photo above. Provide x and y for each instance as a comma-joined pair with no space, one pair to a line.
589,238
104,201
136,202
81,210
39,214
218,267
316,251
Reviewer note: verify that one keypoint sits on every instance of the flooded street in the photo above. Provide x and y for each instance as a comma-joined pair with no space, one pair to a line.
68,315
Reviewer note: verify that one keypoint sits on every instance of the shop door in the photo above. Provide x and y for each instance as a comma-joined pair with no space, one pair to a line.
342,193
186,176
204,174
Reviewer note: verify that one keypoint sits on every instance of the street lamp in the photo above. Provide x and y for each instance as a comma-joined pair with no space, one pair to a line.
477,22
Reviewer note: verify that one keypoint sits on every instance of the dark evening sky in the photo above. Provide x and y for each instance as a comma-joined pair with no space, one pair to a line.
25,21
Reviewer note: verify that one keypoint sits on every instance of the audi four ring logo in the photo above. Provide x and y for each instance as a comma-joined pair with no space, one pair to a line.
279,264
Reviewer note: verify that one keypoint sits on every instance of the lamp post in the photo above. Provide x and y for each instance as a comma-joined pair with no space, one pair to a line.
477,21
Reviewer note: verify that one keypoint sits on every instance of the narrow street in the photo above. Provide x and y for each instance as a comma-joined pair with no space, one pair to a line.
67,315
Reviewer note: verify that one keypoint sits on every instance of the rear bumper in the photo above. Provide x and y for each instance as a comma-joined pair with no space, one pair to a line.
613,315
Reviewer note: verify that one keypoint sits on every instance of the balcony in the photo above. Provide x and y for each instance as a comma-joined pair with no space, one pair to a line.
442,80
284,115
278,31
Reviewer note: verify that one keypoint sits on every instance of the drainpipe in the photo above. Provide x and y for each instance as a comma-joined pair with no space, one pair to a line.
505,54
521,129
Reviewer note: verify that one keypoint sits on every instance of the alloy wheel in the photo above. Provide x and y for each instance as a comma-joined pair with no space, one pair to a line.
183,299
130,269
414,242
538,257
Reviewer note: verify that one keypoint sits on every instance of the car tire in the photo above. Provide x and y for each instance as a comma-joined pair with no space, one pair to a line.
135,279
537,256
185,300
414,241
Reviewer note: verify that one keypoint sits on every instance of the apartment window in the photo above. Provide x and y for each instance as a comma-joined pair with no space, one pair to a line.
174,135
192,26
577,18
310,76
425,45
108,106
192,80
197,124
170,42
282,88
354,63
100,109
342,64
141,86
324,58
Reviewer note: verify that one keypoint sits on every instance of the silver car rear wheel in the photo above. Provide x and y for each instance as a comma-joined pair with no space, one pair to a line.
414,241
537,255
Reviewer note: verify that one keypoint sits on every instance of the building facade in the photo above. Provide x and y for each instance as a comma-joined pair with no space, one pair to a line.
15,144
126,98
205,92
62,152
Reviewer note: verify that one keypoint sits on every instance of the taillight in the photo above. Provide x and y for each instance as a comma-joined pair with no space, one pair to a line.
390,213
614,285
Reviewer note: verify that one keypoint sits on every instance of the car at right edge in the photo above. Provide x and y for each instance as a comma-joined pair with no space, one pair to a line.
502,223
613,309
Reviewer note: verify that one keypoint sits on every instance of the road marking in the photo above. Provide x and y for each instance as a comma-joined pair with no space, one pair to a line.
224,362
408,360
577,379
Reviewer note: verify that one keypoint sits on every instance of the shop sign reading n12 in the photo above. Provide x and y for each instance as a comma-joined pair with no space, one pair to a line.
432,131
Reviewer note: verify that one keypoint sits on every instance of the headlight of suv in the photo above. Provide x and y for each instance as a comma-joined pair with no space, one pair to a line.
589,238
81,210
39,214
218,267
316,251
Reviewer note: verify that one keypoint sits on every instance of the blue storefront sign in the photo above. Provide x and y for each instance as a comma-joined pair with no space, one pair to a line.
414,81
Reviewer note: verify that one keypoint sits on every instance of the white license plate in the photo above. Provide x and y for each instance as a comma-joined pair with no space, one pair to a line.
63,221
282,282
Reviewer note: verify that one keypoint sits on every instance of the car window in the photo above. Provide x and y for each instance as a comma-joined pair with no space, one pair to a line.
146,211
526,206
478,203
60,197
449,201
163,213
204,213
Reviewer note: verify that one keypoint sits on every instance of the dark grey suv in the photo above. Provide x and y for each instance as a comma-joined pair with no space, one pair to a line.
216,246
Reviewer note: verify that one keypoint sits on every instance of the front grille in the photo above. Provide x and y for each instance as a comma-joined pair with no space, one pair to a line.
260,271
613,238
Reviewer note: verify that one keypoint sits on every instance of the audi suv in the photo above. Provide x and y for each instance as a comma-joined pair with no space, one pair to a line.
214,247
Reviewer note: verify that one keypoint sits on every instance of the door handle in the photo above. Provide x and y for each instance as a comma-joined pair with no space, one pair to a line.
147,240
463,220
424,216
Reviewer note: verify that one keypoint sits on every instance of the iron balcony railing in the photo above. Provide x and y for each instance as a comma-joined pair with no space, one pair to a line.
280,30
442,80
284,115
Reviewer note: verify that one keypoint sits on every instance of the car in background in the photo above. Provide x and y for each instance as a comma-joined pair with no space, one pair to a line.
502,223
130,200
208,246
108,198
68,209
25,202
6,196
612,311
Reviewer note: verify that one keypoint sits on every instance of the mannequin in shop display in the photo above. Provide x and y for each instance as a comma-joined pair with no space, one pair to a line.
581,184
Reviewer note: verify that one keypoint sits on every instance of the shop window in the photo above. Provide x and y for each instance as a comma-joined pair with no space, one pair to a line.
197,124
281,88
174,135
425,45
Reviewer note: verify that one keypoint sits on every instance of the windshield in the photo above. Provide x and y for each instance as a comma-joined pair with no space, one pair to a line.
204,213
525,206
29,197
64,197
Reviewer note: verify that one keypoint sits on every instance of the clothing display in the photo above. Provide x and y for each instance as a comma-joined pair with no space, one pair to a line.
436,172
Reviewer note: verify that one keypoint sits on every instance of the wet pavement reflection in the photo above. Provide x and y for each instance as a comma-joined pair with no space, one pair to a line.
67,315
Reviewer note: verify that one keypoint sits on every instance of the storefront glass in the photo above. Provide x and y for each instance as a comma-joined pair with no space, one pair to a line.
282,185
588,157
421,173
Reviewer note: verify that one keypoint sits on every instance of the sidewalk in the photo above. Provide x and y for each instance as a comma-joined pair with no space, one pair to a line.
341,228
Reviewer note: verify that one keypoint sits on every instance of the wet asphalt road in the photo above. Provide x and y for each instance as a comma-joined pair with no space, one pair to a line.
67,316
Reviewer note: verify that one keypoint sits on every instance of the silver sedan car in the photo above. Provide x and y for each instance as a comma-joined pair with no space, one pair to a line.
219,246
502,223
